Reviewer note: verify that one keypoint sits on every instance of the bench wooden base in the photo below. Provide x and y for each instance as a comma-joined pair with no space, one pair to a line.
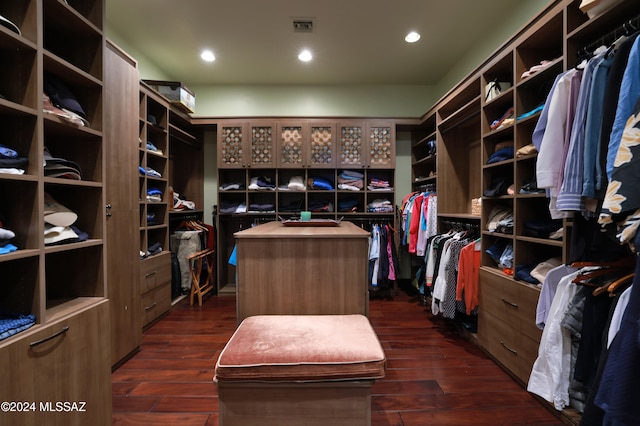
340,403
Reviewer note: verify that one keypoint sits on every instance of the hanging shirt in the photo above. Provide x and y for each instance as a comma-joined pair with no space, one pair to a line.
629,94
415,223
593,127
469,276
551,371
622,200
549,160
570,195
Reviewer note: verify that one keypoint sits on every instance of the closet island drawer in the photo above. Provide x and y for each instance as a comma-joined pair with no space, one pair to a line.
154,303
155,271
510,301
515,351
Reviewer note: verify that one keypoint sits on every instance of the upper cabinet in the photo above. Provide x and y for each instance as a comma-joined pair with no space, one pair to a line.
351,140
322,150
366,145
380,145
247,144
232,152
306,144
262,145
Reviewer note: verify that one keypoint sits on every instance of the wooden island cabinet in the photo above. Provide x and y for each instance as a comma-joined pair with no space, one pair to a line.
302,270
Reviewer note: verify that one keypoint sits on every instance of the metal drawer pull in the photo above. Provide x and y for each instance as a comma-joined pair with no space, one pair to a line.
150,274
53,336
515,305
508,348
148,308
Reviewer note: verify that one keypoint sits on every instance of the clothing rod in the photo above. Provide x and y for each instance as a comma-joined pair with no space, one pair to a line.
459,122
627,27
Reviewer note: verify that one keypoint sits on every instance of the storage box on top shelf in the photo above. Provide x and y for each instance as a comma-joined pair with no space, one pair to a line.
177,93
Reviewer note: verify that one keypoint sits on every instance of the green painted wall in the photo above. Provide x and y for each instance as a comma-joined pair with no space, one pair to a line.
334,101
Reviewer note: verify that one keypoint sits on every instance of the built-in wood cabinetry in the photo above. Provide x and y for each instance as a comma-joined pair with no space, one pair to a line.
303,149
462,124
170,155
286,270
122,193
366,144
304,143
424,153
62,362
65,355
155,200
247,144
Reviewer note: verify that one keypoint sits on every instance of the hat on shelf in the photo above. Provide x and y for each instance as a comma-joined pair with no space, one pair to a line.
60,167
58,234
7,23
56,214
61,96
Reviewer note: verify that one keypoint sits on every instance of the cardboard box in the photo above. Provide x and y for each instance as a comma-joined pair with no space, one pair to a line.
177,93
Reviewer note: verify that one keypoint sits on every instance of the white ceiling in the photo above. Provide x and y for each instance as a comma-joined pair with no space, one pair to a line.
353,42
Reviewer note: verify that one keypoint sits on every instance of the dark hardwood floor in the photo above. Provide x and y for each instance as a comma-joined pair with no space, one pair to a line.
434,376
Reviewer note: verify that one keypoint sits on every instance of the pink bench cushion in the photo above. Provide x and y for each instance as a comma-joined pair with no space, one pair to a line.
302,348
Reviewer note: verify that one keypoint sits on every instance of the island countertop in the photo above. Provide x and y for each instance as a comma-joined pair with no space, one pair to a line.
278,230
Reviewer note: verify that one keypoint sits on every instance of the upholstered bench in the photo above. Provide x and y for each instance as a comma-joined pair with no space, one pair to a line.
290,370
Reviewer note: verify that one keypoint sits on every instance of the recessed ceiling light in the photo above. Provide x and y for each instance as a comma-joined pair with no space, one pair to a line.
412,37
305,56
207,56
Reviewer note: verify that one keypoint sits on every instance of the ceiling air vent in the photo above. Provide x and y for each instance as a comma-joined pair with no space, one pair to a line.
303,25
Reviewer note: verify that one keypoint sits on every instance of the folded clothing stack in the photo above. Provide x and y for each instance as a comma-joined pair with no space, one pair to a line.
502,154
261,183
320,182
543,228
232,207
12,324
232,186
501,251
11,162
499,185
58,100
6,235
348,204
380,206
376,184
262,207
500,220
154,195
506,119
351,180
296,183
320,206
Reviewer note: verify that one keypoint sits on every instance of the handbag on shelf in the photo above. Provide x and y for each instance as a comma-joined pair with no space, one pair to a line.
494,88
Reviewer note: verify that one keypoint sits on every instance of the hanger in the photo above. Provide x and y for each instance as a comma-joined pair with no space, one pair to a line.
628,28
620,282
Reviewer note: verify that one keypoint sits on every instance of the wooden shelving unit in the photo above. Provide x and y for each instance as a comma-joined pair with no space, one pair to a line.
64,356
465,141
